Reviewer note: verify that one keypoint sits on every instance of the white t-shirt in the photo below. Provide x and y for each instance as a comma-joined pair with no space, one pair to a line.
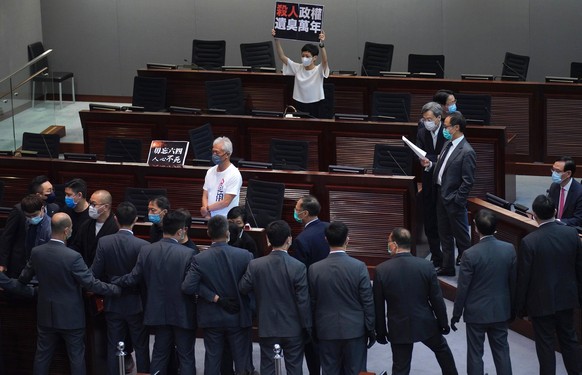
308,87
218,184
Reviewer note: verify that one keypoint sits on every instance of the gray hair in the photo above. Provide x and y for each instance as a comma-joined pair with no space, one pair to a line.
226,144
434,107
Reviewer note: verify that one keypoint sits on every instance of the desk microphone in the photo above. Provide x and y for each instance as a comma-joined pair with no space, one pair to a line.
363,66
513,71
47,147
251,212
404,109
398,164
441,67
127,153
289,107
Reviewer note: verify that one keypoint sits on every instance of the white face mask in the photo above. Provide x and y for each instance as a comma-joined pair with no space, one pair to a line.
430,125
93,212
306,61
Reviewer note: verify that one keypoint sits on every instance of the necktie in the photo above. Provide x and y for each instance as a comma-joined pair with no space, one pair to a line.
561,205
440,162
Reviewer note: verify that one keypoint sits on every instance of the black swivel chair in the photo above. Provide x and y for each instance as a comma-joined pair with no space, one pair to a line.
392,107
392,160
377,58
475,107
258,55
327,105
45,145
264,202
48,76
226,94
201,139
208,54
289,154
122,150
515,67
140,197
150,93
576,70
434,64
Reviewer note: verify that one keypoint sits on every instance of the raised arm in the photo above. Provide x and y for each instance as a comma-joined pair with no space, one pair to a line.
323,50
279,48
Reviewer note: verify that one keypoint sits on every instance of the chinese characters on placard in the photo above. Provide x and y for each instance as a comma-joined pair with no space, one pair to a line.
298,21
168,153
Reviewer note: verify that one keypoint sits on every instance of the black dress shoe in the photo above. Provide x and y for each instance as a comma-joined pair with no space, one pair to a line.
458,261
445,272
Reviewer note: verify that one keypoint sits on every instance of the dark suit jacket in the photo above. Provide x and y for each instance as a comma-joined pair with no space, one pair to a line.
61,273
310,245
219,269
459,174
424,141
549,277
279,283
86,240
14,286
116,256
341,297
486,284
409,287
572,214
78,218
161,267
14,249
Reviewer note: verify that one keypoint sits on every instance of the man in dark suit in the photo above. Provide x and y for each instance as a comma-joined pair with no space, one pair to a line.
549,286
453,175
116,256
161,267
430,138
309,247
61,273
566,192
343,306
416,310
225,317
279,283
486,291
102,223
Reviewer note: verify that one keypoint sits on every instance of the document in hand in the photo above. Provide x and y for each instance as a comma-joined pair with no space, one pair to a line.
417,150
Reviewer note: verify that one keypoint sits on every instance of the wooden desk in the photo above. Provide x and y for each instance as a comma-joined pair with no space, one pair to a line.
330,142
370,205
541,114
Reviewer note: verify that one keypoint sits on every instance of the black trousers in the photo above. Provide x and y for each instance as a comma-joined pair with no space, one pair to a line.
430,221
46,344
166,338
343,356
545,329
119,327
214,341
497,337
402,356
453,227
292,354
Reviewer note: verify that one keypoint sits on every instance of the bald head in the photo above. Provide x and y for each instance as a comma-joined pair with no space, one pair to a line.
61,226
102,197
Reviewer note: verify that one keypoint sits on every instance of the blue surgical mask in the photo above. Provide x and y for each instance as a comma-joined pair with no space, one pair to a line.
154,218
556,177
70,202
216,159
448,136
296,217
453,108
35,220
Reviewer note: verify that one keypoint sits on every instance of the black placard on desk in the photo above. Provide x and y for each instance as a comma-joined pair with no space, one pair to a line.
168,153
298,21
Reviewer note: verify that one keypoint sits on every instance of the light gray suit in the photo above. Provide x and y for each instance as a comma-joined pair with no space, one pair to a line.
485,297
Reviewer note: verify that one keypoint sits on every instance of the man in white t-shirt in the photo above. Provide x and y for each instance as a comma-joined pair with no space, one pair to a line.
308,87
222,182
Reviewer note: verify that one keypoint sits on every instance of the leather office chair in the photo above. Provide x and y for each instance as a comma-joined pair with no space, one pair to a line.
150,93
226,94
264,202
475,107
515,67
208,54
123,150
392,160
392,107
327,105
258,55
576,70
140,197
427,64
201,139
45,145
289,154
377,58
35,50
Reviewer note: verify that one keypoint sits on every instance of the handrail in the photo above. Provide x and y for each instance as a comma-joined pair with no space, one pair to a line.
28,64
33,76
